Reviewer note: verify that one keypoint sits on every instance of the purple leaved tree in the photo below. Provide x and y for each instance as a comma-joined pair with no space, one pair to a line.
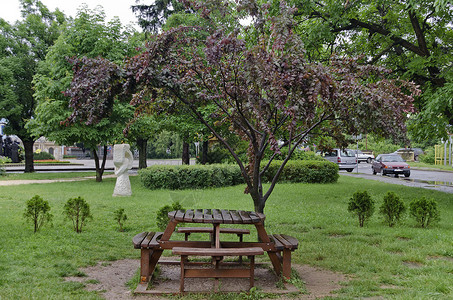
257,82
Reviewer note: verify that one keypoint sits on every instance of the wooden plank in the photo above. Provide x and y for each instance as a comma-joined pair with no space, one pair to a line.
262,216
287,244
188,216
235,217
207,216
180,215
147,239
216,216
255,218
245,217
154,242
217,273
291,240
227,219
138,239
278,244
217,251
210,230
172,214
198,216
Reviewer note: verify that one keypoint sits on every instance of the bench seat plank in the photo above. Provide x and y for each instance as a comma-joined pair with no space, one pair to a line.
218,251
138,239
154,243
288,241
147,240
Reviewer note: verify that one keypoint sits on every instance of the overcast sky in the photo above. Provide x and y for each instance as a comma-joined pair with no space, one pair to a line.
10,9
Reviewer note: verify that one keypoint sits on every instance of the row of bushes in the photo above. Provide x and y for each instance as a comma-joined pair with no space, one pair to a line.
206,176
77,210
423,210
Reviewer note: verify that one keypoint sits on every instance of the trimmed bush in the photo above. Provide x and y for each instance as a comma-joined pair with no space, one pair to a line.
306,171
190,177
424,211
361,205
220,175
392,208
42,155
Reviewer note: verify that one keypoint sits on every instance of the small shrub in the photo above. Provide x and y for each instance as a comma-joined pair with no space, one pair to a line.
162,214
120,217
392,209
38,212
78,211
424,211
362,205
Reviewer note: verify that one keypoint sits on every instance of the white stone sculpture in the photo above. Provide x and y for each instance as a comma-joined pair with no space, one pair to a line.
122,159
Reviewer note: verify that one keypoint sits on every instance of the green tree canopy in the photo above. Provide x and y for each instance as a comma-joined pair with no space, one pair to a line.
22,46
413,38
87,36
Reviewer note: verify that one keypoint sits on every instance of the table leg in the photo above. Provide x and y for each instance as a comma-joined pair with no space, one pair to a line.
217,235
150,258
263,236
287,263
144,265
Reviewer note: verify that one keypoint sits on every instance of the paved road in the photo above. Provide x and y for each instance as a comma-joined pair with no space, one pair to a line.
436,180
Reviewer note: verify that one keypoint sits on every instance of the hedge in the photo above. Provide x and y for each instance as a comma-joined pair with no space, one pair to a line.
220,175
306,171
190,177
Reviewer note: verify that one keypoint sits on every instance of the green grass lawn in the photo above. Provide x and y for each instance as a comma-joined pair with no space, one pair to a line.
430,166
404,262
42,176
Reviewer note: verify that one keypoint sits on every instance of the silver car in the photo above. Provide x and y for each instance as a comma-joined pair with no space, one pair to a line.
345,159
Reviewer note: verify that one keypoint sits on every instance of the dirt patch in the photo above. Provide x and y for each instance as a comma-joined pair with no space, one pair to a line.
110,278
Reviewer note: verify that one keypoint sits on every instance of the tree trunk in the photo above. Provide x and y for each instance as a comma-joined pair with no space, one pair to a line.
99,167
28,148
185,154
204,153
142,145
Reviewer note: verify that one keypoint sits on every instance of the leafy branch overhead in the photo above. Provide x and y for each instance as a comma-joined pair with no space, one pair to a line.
259,84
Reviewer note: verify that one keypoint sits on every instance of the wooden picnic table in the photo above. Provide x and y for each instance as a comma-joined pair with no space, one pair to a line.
273,245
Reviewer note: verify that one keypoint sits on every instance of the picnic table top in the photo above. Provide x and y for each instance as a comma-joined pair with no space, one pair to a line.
216,216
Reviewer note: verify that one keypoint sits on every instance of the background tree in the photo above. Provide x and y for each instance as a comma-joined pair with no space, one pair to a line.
22,46
152,17
88,35
261,86
412,38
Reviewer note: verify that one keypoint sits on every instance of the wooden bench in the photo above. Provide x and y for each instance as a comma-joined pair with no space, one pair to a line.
148,242
285,244
188,230
217,254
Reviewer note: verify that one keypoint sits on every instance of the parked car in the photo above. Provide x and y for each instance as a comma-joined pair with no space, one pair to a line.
390,164
362,157
345,159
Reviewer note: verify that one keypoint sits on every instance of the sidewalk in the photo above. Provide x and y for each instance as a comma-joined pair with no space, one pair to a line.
76,165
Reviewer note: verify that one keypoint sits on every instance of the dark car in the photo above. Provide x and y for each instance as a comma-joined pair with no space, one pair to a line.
390,164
